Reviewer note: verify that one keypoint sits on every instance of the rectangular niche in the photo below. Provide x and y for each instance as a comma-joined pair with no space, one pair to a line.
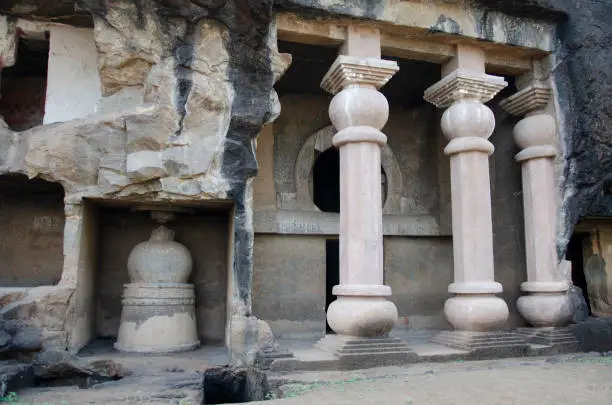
31,231
23,86
204,231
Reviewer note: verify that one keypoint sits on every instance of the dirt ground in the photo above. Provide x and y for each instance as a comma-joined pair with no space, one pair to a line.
568,379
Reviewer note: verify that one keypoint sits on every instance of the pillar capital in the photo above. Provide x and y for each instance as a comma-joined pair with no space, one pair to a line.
535,133
461,84
353,70
534,97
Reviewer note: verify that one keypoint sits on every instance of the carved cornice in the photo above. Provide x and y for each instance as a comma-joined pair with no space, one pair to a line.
461,84
347,70
532,98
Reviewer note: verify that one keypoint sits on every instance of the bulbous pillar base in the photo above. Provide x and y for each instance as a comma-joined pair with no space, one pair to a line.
158,318
476,312
362,316
545,309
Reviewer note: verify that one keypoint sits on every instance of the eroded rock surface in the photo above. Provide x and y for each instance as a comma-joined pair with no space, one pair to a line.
187,86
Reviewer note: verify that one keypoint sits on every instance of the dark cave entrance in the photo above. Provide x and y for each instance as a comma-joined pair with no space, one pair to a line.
332,273
575,254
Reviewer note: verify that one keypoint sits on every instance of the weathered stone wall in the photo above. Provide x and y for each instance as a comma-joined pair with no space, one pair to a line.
289,284
31,233
419,270
73,84
206,238
458,17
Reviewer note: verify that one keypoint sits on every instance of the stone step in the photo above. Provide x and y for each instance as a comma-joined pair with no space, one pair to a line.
373,350
381,345
482,343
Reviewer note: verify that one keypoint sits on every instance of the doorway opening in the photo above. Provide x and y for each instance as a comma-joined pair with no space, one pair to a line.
332,273
575,254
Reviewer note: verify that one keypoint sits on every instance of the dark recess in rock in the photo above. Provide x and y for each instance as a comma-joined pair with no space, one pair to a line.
225,385
15,376
536,9
60,11
355,8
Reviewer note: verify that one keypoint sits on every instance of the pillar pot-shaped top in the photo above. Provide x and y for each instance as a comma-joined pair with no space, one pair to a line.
160,259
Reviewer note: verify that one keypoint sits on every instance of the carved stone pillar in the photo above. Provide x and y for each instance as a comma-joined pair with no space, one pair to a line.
158,313
358,112
546,303
467,123
361,315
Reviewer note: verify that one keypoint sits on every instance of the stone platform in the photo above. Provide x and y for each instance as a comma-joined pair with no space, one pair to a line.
560,340
355,352
336,352
484,344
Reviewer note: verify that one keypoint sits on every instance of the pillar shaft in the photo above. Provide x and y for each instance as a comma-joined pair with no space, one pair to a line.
467,123
361,247
539,208
471,214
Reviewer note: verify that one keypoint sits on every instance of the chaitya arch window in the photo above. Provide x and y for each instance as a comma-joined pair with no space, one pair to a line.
317,176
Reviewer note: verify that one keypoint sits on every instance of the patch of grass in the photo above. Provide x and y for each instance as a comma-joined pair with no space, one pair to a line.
596,360
13,398
10,397
293,390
